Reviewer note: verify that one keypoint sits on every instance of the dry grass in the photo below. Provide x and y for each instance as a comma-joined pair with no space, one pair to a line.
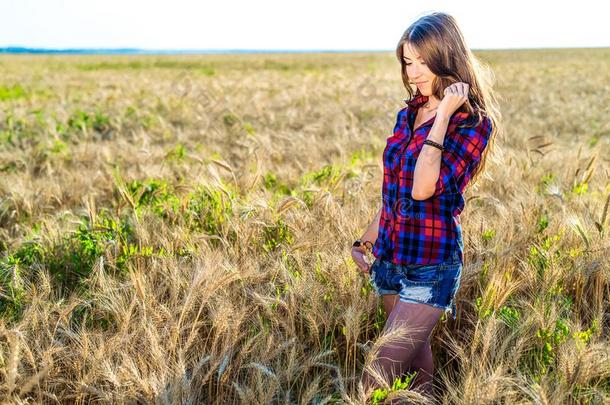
177,230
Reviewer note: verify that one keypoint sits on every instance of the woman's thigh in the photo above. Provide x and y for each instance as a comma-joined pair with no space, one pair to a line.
389,300
418,321
415,314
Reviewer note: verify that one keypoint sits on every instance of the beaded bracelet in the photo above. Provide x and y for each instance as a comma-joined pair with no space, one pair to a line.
432,143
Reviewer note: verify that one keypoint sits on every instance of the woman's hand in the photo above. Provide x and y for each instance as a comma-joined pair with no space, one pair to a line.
358,254
454,96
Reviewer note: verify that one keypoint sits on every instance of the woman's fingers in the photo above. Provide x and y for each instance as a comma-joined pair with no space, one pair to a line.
464,87
362,264
365,266
459,89
358,257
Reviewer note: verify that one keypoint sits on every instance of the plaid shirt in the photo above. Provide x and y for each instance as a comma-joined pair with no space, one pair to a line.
426,231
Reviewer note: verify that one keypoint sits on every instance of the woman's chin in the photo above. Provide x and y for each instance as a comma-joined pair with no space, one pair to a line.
424,92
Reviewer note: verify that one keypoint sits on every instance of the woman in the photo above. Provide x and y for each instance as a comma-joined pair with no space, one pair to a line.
439,145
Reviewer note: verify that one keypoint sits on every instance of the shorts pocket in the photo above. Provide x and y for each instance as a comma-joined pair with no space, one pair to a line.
449,282
420,283
425,274
372,267
383,275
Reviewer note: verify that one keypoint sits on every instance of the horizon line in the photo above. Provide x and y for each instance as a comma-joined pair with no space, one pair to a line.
17,49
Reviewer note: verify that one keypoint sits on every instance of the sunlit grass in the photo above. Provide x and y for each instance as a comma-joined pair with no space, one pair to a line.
177,229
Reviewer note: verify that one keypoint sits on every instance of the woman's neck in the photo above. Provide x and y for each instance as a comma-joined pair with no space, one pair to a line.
432,103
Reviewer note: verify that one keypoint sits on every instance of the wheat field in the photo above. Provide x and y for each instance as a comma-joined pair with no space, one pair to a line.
177,230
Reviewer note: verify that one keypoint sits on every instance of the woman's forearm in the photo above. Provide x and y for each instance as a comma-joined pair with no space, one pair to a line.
428,165
370,234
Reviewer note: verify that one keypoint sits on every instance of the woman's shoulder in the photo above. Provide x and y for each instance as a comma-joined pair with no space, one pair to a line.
469,124
466,130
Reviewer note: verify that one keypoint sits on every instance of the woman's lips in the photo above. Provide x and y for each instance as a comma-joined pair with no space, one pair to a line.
418,84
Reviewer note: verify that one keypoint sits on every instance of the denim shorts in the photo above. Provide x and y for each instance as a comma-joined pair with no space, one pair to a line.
432,284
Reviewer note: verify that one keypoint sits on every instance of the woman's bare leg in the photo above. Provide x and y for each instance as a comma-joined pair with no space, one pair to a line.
396,357
389,301
423,363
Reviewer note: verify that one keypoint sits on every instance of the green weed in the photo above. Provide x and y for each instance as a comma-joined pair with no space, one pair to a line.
400,383
209,209
13,92
488,235
276,235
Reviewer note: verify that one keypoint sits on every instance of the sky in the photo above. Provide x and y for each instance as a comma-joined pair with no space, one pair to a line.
291,25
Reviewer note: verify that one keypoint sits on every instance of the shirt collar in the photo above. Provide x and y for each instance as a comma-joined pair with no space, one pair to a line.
416,101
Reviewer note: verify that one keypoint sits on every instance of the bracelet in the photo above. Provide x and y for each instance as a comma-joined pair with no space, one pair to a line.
435,144
359,242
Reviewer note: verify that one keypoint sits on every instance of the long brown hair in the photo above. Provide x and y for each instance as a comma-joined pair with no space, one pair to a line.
439,41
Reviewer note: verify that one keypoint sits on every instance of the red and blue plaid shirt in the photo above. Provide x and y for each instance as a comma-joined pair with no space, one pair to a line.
426,231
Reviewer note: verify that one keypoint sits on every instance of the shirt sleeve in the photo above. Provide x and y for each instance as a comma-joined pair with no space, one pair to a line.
462,154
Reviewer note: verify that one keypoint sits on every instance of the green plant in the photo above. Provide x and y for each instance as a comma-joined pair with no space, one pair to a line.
543,222
230,119
12,285
580,188
69,259
155,194
73,260
548,341
79,120
82,121
545,181
360,156
484,309
249,128
582,338
13,130
307,196
276,234
58,147
177,153
271,182
488,234
209,209
400,383
100,122
509,315
326,174
541,254
11,92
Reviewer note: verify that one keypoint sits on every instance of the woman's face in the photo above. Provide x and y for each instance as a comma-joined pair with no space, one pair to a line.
417,71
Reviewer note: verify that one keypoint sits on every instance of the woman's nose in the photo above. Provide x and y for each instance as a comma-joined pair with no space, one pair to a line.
415,73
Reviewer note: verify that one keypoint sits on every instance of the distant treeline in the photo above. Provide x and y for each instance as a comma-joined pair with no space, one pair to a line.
17,50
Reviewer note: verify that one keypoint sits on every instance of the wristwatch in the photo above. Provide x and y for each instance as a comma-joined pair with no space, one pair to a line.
358,243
